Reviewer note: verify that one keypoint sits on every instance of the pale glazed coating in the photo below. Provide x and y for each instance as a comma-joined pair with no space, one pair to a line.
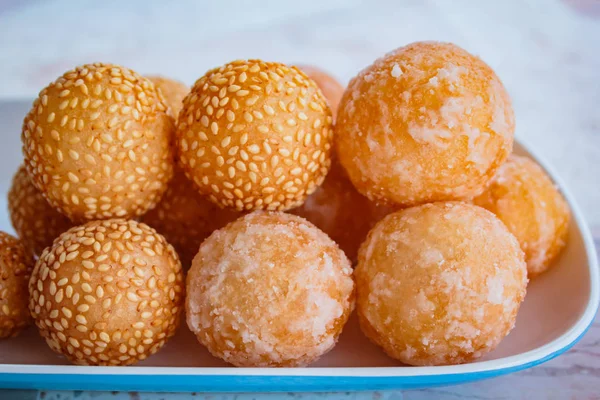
98,143
36,222
440,283
173,92
332,89
107,293
15,268
255,135
426,122
269,289
525,199
185,217
340,211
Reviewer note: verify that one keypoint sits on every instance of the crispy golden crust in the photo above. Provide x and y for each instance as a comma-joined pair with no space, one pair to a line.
426,122
15,267
98,143
439,283
107,293
185,217
36,222
340,211
525,199
269,289
255,135
331,88
173,92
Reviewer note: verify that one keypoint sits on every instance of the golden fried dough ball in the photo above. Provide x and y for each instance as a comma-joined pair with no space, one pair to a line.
173,91
107,293
36,222
340,211
255,135
185,218
332,89
440,283
269,289
525,199
15,267
98,143
426,122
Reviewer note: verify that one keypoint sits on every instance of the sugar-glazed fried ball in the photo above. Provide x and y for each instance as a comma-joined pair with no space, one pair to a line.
332,89
440,283
36,222
426,122
340,211
185,217
173,92
255,135
525,199
107,293
269,289
15,267
98,143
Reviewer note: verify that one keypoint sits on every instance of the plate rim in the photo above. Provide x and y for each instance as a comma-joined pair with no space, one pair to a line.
497,366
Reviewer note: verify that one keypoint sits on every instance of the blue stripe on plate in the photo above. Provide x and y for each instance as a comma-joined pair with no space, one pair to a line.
252,383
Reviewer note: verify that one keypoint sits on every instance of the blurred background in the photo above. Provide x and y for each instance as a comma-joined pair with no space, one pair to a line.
547,52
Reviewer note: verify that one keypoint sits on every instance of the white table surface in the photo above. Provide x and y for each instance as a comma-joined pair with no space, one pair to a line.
547,52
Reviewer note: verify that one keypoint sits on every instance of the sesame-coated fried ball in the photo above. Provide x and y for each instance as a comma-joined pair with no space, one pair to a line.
107,293
173,92
98,143
36,222
426,122
439,284
331,88
269,289
15,267
185,217
525,199
340,211
255,135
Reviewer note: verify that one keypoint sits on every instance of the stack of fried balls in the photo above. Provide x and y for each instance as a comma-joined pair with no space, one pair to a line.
287,201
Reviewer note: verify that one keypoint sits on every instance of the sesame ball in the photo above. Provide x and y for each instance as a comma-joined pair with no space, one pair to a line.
426,122
36,222
332,89
98,143
269,289
173,92
107,293
340,211
439,284
525,199
255,135
15,268
185,217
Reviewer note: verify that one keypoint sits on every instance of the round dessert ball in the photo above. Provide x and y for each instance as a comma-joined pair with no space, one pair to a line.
98,143
525,199
340,211
331,88
15,267
439,284
107,293
185,218
426,122
269,289
36,222
173,92
255,135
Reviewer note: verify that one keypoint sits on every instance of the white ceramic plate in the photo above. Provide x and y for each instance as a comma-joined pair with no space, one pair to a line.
559,307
